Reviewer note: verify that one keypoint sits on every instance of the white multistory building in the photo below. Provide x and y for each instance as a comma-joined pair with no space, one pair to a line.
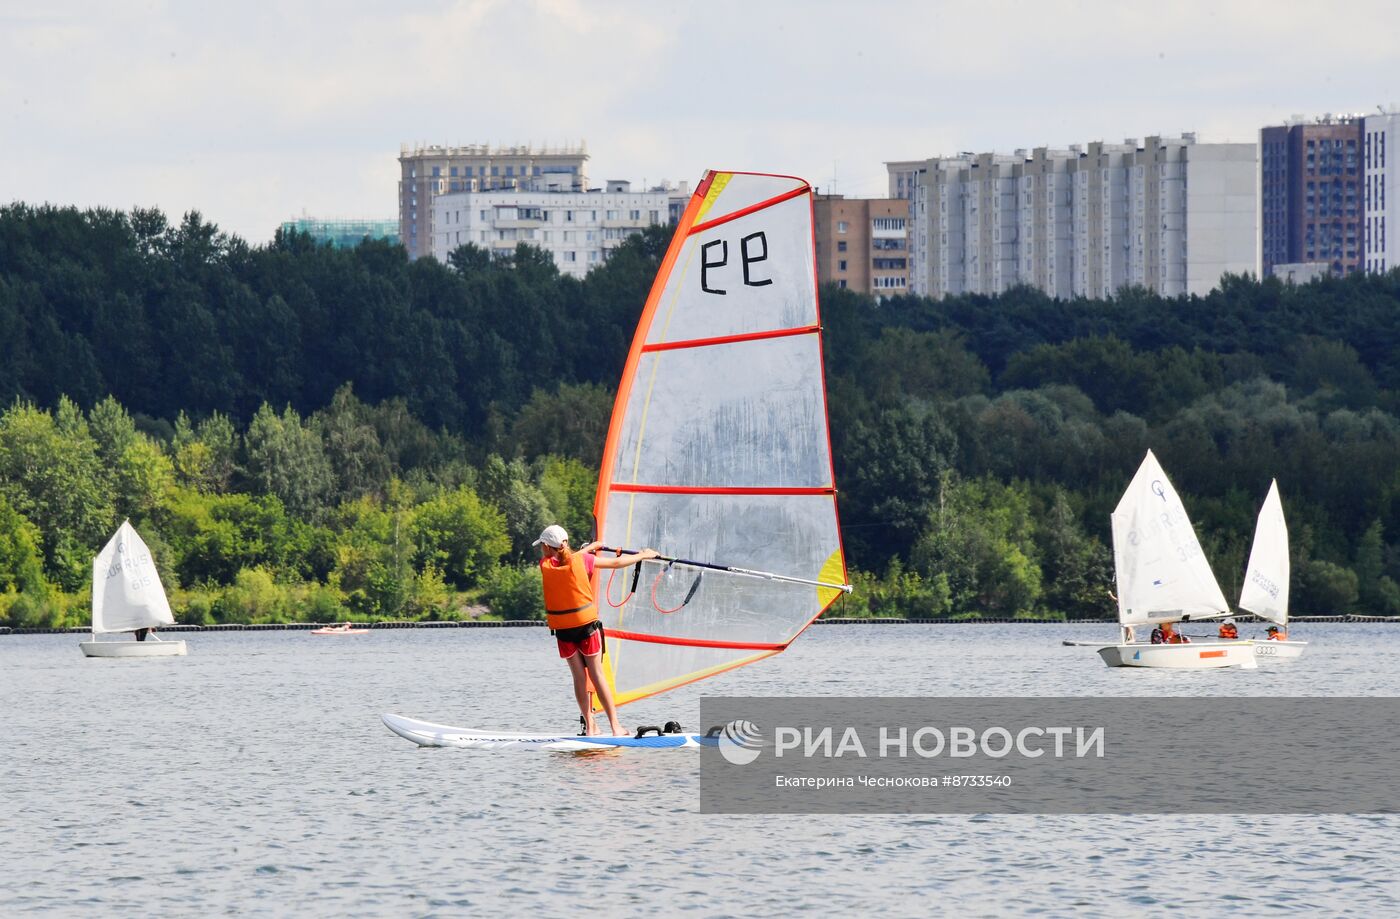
1171,215
1381,249
578,229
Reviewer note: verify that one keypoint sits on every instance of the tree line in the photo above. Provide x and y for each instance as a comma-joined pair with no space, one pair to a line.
308,432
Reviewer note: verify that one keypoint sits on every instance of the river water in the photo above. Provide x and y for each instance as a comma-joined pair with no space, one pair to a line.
255,777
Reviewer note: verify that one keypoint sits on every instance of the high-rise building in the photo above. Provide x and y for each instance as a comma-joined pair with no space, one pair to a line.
862,243
1311,203
578,229
1171,215
1381,250
344,233
426,172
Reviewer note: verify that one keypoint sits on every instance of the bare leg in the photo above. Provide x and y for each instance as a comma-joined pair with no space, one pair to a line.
581,692
594,663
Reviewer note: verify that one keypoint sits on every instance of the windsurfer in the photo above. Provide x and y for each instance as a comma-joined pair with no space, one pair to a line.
572,614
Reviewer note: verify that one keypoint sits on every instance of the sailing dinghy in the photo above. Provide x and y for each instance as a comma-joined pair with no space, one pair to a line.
1163,576
718,450
1265,589
126,596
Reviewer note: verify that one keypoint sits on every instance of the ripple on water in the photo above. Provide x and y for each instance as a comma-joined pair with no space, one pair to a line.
285,789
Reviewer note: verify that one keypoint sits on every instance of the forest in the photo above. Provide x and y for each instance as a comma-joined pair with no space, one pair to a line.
305,433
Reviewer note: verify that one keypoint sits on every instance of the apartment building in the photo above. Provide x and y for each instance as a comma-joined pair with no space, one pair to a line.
1169,214
578,229
1311,193
428,171
1381,248
862,243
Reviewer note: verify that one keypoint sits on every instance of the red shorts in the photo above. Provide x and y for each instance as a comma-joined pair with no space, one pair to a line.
590,646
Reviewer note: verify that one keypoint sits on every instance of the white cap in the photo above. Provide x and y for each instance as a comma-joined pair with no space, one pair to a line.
553,536
1228,622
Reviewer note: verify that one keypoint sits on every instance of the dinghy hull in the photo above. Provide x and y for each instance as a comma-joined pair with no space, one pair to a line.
1279,650
1194,656
133,648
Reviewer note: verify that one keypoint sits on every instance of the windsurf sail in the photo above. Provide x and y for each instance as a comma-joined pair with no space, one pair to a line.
1162,574
126,591
718,450
1265,590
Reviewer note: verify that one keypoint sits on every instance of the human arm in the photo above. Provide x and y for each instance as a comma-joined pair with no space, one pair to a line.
626,561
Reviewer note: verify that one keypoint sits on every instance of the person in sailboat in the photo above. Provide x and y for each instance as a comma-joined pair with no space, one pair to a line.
1228,630
572,614
1276,634
1166,634
142,633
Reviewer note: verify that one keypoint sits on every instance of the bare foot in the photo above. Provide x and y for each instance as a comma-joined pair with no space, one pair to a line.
590,727
618,730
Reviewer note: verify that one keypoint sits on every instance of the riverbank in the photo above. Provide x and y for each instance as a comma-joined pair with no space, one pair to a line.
535,623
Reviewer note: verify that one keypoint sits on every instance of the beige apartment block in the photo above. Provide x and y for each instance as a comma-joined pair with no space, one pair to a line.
862,243
426,171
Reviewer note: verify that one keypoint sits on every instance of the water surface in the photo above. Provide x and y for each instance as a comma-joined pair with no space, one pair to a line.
254,776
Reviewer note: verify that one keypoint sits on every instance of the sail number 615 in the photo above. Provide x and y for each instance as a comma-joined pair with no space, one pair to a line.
752,250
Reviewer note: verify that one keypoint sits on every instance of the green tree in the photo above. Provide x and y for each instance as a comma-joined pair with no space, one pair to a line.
50,473
979,537
570,421
287,459
459,536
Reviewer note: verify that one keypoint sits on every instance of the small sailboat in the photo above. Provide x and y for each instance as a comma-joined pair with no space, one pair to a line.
1163,576
127,596
1265,589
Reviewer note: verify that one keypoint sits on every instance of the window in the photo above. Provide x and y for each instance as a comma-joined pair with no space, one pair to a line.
841,246
842,226
634,215
568,216
469,171
510,170
483,216
437,171
495,170
841,265
570,256
611,215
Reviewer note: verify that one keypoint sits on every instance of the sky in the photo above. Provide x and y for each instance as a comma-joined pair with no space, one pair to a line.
255,113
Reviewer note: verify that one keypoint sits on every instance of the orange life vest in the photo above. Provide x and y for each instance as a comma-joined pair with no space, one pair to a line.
1280,635
1229,631
568,596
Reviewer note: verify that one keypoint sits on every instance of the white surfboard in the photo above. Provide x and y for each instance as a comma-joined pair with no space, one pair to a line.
427,734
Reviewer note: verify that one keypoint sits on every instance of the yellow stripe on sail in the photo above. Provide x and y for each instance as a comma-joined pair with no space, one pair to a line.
833,572
716,187
660,686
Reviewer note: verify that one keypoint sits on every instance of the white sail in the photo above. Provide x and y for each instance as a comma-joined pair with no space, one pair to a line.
718,449
1265,590
1162,574
126,591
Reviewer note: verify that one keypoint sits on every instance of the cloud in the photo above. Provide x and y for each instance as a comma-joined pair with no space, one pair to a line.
255,114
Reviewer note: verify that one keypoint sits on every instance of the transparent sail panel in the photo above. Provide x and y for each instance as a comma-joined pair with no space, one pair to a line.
750,413
731,192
